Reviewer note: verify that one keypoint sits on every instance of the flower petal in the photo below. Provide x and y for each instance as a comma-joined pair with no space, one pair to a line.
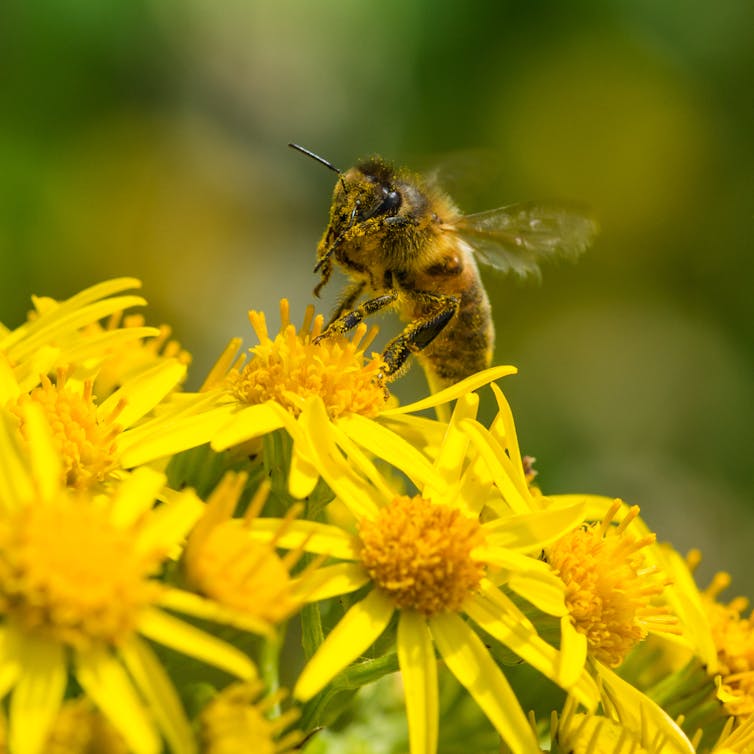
159,693
416,656
143,392
331,581
174,633
471,663
107,684
499,617
46,466
639,713
390,447
37,695
311,536
199,607
158,438
356,632
533,531
250,422
499,465
474,382
10,667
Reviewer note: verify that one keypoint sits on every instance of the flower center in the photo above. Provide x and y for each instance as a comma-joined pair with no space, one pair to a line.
291,367
69,574
420,554
734,639
85,442
609,587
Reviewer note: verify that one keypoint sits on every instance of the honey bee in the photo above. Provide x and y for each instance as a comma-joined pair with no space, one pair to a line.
405,245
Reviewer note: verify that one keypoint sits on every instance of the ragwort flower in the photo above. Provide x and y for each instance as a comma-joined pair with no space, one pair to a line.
429,560
322,394
78,595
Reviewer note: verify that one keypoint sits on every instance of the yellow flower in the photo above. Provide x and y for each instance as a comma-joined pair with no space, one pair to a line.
79,728
733,636
78,595
428,560
246,577
52,336
323,395
88,433
610,587
238,720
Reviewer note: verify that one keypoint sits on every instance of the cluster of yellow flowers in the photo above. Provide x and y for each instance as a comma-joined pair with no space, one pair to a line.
169,560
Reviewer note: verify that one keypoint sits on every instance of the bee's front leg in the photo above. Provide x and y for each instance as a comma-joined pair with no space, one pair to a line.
419,334
349,320
350,295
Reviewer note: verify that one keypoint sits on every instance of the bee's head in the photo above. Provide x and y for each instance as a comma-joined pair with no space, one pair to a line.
366,191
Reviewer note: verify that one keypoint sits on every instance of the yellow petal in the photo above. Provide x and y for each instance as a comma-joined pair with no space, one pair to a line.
160,694
46,467
390,447
50,327
10,666
199,607
470,662
168,524
474,382
37,695
107,684
15,480
499,465
166,436
356,632
639,713
331,581
9,389
354,491
174,633
143,392
416,656
135,496
450,460
250,422
533,531
303,475
311,536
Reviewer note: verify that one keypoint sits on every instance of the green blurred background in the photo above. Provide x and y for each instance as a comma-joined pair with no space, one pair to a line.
149,139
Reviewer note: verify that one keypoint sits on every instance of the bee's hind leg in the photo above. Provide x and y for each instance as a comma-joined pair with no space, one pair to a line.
349,320
419,334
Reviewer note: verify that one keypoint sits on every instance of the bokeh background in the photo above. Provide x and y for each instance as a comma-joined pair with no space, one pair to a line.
149,139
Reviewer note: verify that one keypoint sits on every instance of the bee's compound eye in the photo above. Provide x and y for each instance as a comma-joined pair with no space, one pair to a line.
390,203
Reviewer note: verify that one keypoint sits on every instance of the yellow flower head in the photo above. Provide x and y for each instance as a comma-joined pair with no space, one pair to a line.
420,554
79,728
54,334
79,594
293,366
223,562
84,439
328,397
609,585
429,562
138,349
733,635
238,720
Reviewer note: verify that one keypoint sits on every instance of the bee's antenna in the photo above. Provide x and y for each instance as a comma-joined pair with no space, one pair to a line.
319,159
316,157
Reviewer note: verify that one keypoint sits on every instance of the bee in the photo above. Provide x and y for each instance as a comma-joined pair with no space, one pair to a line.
405,245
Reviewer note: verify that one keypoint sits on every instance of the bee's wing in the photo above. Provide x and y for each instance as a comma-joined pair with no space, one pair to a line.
518,237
